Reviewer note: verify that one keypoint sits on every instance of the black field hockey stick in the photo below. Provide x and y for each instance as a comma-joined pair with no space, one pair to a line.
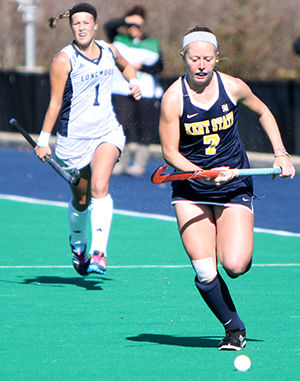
159,177
71,178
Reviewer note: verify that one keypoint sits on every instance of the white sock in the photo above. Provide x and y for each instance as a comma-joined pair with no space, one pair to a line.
101,216
77,224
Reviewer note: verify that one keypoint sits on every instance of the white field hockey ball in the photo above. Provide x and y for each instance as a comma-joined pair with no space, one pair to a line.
242,363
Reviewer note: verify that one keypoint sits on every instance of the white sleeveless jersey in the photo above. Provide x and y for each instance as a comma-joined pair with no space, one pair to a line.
87,110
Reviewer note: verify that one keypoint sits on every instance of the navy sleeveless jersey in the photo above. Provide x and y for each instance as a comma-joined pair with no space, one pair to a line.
209,138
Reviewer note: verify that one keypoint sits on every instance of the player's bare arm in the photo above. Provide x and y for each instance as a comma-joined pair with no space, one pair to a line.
244,95
128,72
169,130
59,72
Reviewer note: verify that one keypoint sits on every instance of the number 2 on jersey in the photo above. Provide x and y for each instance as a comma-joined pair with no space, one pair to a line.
213,140
96,101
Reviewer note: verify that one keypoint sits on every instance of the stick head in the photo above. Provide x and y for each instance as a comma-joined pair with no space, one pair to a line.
157,176
75,176
12,122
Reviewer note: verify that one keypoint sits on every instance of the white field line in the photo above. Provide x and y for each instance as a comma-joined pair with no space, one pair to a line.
131,213
143,266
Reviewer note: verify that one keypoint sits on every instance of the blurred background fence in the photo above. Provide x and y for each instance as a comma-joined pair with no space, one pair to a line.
25,96
256,42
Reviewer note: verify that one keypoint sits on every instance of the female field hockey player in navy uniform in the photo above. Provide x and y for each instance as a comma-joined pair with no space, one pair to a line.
89,136
198,130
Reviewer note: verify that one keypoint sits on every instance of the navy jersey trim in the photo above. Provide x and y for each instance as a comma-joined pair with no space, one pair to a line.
66,108
187,95
94,61
112,53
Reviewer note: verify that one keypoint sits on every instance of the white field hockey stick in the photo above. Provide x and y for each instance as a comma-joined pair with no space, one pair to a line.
71,178
159,177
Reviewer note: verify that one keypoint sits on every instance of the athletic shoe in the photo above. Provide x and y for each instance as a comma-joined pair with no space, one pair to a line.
97,264
235,340
80,260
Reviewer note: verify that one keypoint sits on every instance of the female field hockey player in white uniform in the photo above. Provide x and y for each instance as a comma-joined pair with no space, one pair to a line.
89,136
198,129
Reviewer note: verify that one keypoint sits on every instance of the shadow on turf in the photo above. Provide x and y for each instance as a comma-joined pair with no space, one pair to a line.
198,341
88,284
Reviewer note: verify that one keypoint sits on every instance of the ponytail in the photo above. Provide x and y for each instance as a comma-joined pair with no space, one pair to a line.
54,20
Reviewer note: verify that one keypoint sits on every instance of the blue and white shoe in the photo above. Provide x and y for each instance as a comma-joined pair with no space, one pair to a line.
80,260
97,263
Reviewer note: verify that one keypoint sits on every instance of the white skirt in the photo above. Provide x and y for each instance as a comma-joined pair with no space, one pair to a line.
78,153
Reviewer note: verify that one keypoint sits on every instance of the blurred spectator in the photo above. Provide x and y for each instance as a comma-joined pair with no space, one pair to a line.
139,119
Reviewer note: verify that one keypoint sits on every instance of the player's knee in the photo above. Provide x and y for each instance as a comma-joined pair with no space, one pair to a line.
232,274
99,188
248,267
205,269
236,269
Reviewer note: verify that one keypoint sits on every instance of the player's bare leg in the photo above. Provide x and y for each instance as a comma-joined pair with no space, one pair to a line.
101,203
235,238
196,224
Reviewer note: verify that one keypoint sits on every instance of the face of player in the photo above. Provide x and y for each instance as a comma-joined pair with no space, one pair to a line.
200,60
83,27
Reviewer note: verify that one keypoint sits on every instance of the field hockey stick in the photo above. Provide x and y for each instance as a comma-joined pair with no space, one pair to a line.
159,177
71,178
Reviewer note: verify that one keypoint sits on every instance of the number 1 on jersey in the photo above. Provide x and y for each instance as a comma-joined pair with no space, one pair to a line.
96,101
